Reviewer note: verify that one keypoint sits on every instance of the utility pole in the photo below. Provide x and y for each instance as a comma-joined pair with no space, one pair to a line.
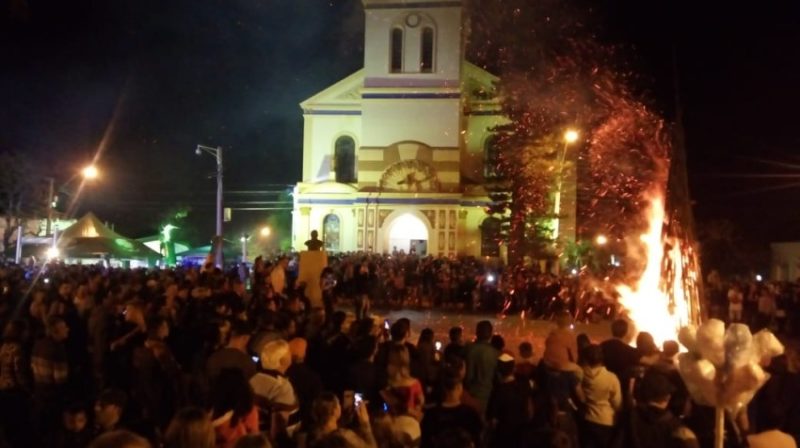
18,253
50,197
217,153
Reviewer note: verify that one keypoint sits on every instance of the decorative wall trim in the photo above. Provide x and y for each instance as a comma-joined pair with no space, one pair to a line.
332,112
441,4
411,82
485,112
411,96
389,201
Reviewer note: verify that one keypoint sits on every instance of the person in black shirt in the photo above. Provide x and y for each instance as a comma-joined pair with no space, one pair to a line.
305,381
510,406
362,375
450,414
456,346
620,358
650,424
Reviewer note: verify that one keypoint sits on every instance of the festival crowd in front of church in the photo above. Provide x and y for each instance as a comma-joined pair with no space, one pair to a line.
202,357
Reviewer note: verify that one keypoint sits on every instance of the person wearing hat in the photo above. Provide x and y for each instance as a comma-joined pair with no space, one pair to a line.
650,424
510,406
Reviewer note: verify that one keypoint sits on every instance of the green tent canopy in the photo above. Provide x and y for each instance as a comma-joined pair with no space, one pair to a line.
90,238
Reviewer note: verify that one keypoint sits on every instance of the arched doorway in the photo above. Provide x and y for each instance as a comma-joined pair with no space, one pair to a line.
330,232
407,233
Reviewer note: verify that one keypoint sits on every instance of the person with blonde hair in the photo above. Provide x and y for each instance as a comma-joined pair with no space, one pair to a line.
271,384
326,412
274,393
401,384
190,428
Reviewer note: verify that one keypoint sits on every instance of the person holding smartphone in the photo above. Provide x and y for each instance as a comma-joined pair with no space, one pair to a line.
326,412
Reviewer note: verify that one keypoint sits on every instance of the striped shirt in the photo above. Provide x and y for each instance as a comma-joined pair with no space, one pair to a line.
49,362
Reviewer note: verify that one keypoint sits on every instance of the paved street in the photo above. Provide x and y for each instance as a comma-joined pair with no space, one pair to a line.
512,328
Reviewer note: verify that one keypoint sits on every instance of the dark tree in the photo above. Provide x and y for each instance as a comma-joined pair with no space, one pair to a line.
555,74
21,192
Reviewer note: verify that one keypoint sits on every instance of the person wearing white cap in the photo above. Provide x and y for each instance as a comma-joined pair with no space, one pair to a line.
510,406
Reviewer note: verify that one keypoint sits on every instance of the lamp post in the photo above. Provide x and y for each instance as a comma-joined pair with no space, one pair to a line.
570,136
217,153
89,172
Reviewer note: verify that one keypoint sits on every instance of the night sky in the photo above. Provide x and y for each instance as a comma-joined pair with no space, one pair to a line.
160,77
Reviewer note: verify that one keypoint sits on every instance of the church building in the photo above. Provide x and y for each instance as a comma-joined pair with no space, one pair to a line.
395,155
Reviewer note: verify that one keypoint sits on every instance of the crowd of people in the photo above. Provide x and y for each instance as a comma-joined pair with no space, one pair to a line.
464,283
198,357
755,302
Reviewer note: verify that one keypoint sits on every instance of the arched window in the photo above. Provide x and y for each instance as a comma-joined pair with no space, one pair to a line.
490,237
345,160
330,233
426,55
396,64
491,158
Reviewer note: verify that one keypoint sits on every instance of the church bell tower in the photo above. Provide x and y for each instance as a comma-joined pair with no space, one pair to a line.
413,55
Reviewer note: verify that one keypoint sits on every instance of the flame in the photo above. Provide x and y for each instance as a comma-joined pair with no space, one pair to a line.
664,297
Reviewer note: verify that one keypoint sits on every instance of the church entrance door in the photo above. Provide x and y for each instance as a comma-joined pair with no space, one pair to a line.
408,232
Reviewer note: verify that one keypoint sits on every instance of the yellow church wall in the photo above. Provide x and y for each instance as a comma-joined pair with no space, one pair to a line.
432,121
471,219
321,132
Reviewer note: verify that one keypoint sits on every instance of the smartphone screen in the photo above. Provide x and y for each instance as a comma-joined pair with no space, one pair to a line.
358,398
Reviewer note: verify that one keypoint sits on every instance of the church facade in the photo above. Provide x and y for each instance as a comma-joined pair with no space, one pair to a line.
395,156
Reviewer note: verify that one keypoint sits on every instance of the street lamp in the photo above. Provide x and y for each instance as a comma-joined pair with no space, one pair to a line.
217,153
601,240
52,253
89,172
570,136
265,231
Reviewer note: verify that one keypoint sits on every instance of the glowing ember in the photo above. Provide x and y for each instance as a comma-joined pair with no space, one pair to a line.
664,298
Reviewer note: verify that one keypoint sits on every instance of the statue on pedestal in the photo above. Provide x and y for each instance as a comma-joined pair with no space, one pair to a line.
314,243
